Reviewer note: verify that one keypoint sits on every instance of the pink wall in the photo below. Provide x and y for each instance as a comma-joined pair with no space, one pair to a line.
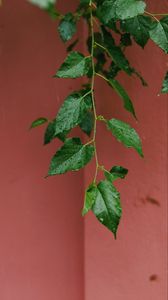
41,229
42,251
121,270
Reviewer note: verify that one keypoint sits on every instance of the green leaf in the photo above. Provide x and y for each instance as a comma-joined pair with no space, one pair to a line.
143,81
98,51
113,71
124,96
120,59
125,134
159,34
126,9
70,114
52,11
72,111
97,39
115,173
48,6
120,9
101,60
107,207
99,2
112,24
138,27
165,85
119,171
72,156
75,65
44,4
164,22
107,38
67,27
38,122
115,52
84,2
90,198
50,134
106,11
87,123
125,40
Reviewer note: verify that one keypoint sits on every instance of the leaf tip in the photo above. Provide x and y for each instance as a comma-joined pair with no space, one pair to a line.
141,153
115,235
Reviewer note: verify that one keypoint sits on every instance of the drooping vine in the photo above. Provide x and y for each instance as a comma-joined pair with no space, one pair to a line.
130,22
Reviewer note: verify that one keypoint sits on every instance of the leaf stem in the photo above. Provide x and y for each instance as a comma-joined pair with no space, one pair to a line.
99,45
152,15
100,75
92,90
94,5
161,14
89,142
89,92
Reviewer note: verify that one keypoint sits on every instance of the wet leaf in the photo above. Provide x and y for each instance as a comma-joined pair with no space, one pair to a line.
107,207
90,198
75,65
125,134
72,156
165,85
67,27
159,34
38,122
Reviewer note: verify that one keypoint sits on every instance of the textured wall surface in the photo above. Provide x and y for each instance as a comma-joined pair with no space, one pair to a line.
44,247
134,266
41,229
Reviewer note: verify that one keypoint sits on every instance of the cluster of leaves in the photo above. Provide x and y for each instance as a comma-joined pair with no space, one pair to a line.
126,21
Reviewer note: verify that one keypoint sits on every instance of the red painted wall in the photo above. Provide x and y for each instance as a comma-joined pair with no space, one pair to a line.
124,269
41,229
43,249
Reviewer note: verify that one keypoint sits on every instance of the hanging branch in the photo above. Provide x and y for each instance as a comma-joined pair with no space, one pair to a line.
105,19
